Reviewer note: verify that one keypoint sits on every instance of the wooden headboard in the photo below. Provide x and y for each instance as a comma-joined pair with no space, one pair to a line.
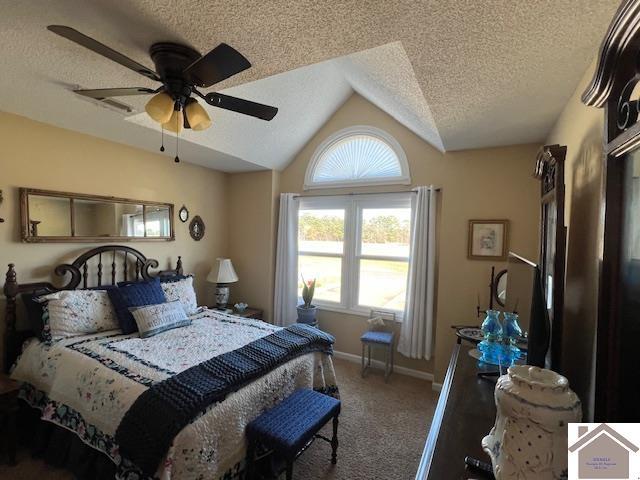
113,262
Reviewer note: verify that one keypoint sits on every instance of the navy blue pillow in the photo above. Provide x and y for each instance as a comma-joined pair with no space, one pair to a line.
174,278
136,294
34,310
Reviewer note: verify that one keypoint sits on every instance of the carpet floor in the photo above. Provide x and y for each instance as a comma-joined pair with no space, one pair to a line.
383,427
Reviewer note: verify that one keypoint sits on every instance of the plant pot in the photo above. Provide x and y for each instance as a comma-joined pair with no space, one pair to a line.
307,315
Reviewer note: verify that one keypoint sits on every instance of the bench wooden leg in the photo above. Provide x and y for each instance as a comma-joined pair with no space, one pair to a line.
334,441
363,367
12,435
248,470
392,357
289,470
386,366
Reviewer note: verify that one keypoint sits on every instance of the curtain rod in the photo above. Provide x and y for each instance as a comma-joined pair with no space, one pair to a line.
437,189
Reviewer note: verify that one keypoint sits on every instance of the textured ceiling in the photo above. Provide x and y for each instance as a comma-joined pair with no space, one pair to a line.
306,98
459,74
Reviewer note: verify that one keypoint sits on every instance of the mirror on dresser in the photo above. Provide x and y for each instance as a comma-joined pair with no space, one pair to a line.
51,216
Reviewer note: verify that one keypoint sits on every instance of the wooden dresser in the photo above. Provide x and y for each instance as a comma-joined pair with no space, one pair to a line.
464,415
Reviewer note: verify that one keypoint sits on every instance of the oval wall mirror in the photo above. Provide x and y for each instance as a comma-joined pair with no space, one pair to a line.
196,228
183,214
499,288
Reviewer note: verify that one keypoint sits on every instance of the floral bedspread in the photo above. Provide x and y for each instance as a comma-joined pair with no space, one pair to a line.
87,384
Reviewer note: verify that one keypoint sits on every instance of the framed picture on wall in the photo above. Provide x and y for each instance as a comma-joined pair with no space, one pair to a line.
488,239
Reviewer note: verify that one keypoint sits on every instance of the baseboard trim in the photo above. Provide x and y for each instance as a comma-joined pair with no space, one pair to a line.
436,387
409,372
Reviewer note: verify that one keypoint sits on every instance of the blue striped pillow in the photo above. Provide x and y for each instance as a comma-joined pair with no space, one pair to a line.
154,319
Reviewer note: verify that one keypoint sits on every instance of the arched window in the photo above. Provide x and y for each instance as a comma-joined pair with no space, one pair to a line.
360,155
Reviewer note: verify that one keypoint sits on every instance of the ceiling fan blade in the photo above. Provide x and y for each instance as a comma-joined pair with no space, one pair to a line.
101,49
246,107
101,93
219,64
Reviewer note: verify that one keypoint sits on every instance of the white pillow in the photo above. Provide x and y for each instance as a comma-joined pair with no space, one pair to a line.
154,319
79,312
183,291
376,323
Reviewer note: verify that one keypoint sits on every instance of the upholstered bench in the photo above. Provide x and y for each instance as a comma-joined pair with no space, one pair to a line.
291,426
382,339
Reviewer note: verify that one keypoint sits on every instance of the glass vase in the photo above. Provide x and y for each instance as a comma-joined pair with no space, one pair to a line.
490,347
511,331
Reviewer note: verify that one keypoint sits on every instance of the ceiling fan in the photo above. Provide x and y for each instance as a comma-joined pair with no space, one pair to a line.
180,69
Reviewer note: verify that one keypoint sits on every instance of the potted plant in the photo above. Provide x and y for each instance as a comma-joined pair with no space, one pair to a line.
306,311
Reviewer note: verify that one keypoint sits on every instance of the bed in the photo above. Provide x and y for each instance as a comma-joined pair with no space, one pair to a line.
87,384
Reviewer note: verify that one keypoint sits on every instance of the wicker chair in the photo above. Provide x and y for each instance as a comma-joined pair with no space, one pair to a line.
382,336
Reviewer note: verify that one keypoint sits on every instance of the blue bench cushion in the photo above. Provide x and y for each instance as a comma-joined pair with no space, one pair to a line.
288,426
378,337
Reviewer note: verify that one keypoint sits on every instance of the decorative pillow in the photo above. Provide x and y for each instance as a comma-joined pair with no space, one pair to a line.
76,312
34,309
154,319
376,323
136,294
180,287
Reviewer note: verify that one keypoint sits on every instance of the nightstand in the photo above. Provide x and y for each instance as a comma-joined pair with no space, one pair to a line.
249,313
8,415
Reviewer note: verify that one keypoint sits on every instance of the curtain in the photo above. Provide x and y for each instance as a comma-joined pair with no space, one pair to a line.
417,332
286,283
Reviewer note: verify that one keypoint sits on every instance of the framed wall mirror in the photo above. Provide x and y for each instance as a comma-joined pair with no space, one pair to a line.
499,287
51,216
553,238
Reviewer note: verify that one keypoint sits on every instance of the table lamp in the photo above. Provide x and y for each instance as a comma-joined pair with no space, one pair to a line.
222,275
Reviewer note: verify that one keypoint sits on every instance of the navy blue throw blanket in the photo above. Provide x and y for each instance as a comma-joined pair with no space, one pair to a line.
161,412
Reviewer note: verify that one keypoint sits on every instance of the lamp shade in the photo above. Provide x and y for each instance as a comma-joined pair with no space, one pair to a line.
223,272
197,116
160,107
175,122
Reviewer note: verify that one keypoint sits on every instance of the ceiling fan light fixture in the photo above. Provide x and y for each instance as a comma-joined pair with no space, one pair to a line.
160,107
179,69
196,115
175,122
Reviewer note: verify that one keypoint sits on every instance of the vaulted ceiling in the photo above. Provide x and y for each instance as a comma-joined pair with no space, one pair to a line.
459,74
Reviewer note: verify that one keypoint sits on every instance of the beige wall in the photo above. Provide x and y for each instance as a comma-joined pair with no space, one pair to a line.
251,239
580,128
41,156
478,184
240,210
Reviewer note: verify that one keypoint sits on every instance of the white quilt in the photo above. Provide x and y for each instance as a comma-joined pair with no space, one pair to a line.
87,384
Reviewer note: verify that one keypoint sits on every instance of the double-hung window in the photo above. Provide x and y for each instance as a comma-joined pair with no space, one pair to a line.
357,247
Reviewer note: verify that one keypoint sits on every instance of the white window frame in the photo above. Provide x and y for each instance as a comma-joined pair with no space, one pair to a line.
367,130
353,206
327,203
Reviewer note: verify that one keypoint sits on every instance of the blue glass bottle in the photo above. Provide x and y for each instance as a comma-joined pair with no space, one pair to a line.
490,347
511,331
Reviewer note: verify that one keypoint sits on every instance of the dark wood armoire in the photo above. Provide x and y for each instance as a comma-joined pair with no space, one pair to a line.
616,88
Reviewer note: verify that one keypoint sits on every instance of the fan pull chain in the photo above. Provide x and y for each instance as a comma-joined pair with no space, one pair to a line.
162,138
177,159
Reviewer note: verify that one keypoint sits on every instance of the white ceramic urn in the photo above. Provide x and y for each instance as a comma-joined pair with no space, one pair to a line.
529,439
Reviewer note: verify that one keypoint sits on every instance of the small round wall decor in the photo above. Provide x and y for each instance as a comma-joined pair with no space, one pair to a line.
183,214
196,228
